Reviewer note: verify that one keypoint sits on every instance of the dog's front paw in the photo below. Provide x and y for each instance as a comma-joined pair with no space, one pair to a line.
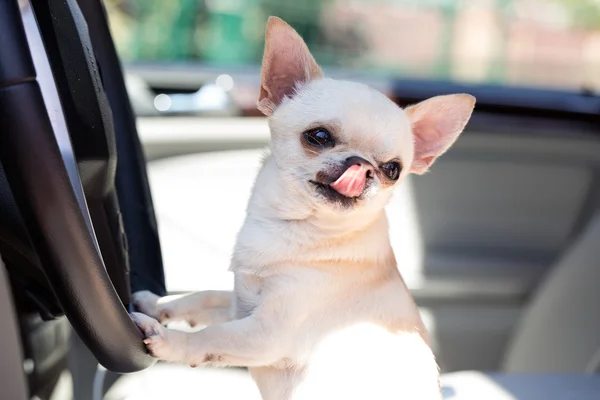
158,340
147,303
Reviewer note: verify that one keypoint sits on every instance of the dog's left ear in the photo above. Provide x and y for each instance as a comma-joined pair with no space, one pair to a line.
287,62
436,124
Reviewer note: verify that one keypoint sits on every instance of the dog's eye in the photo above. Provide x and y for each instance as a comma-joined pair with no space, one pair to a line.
319,137
391,170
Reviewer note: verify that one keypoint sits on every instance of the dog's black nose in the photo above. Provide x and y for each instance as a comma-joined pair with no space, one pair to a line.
355,160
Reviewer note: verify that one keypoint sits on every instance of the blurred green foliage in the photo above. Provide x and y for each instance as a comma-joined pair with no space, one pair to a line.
224,32
583,13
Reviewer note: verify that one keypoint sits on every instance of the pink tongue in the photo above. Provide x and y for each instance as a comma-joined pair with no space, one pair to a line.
352,182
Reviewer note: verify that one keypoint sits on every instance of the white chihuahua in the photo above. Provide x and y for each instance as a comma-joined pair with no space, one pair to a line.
319,308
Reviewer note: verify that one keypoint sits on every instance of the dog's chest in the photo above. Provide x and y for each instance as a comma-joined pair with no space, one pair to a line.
338,328
367,361
363,361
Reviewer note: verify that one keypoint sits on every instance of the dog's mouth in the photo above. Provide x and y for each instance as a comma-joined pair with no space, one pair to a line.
333,195
346,187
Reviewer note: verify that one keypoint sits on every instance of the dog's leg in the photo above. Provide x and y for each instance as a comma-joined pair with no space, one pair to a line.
278,383
243,342
199,308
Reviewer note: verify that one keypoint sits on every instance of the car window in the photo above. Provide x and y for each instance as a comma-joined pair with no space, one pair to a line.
551,43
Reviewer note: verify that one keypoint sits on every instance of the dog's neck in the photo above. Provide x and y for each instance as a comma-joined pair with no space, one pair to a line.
281,228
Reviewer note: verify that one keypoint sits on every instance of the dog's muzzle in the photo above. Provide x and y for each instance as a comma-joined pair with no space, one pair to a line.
353,180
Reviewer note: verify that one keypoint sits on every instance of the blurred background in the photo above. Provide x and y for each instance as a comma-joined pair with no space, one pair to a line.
548,43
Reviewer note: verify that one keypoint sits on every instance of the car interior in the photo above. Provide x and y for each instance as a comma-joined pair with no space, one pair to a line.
499,243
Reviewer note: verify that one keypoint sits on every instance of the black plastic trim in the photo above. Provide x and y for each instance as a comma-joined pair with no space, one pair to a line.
530,102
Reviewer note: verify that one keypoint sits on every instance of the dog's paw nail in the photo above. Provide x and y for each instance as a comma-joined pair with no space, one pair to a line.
153,336
194,365
157,347
192,323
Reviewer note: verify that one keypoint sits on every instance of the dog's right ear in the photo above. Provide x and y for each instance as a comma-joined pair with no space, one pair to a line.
287,62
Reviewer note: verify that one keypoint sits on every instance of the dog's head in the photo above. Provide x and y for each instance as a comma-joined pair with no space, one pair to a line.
343,146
